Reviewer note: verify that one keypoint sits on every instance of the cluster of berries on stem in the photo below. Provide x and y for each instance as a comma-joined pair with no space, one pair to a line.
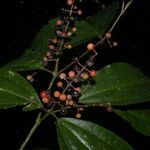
64,89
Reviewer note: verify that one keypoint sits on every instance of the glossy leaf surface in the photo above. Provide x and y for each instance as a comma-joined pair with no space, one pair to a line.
76,134
118,84
15,91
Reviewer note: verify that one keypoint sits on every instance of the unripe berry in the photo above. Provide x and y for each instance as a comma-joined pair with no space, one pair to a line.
30,78
69,34
59,84
71,74
59,22
78,115
85,75
55,40
92,73
45,59
56,94
108,35
62,76
115,44
74,29
69,46
90,46
51,47
62,97
78,89
69,97
71,102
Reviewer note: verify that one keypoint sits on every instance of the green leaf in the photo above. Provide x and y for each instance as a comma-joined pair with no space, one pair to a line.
103,19
30,60
15,91
138,119
118,84
76,134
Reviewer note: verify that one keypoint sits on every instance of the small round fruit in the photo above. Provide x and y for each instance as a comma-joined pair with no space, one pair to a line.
79,12
92,73
70,2
51,47
78,89
108,35
55,40
29,77
56,94
69,97
85,75
75,93
59,22
62,97
71,102
90,46
59,84
45,100
69,46
62,76
109,108
43,94
78,115
74,29
45,59
71,74
49,54
69,34
115,44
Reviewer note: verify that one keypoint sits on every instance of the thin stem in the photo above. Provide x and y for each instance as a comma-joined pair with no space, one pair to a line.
54,74
37,123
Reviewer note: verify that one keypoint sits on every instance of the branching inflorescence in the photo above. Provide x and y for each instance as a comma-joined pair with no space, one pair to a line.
67,84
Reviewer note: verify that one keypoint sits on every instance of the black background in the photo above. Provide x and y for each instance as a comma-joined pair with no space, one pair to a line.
20,21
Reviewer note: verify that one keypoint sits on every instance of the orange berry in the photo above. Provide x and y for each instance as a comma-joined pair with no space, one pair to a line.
108,35
59,22
71,102
56,94
70,2
79,12
90,46
62,76
69,46
71,74
59,84
62,97
78,115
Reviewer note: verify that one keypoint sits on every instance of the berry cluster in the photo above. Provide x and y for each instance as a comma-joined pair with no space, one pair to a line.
65,28
67,84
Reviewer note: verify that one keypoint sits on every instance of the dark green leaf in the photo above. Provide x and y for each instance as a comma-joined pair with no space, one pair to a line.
15,91
118,84
138,119
30,60
76,134
103,19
